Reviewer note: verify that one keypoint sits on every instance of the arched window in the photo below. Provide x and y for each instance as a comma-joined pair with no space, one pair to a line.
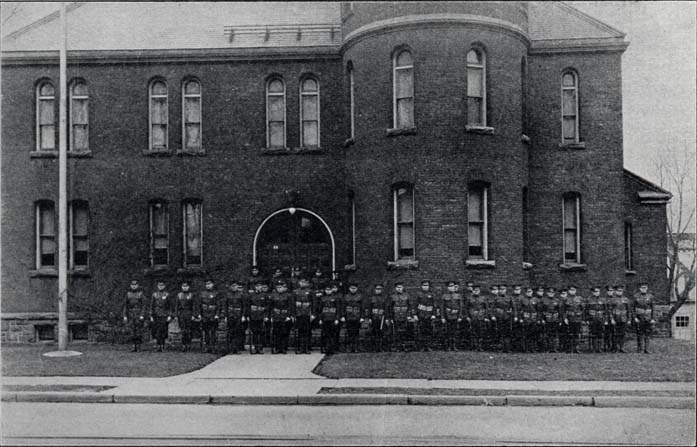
569,107
476,87
79,235
478,221
275,113
159,116
403,200
45,117
159,233
403,76
309,113
46,245
352,100
191,120
192,215
79,120
571,222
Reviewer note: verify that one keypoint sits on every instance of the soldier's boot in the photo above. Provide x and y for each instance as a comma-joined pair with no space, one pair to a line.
135,347
638,344
646,345
621,345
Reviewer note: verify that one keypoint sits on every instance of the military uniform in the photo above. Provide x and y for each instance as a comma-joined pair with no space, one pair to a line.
376,313
609,336
530,318
502,314
517,328
574,308
280,319
425,312
234,310
597,317
478,309
551,311
451,315
303,314
184,309
329,320
620,309
400,316
210,315
160,316
643,319
134,315
258,312
352,311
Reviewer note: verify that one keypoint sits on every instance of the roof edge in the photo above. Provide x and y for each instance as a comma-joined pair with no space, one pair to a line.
590,19
653,194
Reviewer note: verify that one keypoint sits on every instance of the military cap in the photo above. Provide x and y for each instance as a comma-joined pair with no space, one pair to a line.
470,283
619,286
280,282
494,287
608,288
595,288
379,284
503,285
353,284
398,283
529,288
517,286
550,289
572,286
476,286
134,280
643,284
426,281
540,288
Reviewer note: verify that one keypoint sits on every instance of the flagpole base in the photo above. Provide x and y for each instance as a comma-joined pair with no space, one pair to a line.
62,354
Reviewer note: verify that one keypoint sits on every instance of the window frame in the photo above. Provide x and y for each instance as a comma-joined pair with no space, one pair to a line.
682,321
185,260
352,100
151,214
302,95
396,224
484,223
71,237
628,246
575,89
40,98
39,237
577,210
186,96
151,96
482,67
86,98
285,113
395,68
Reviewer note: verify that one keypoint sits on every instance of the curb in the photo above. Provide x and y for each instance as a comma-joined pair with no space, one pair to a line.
681,403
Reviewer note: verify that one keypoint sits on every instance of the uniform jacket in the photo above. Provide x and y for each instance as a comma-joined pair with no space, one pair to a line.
596,309
258,306
643,306
208,305
574,309
620,309
353,306
134,305
303,305
529,309
425,305
376,307
329,307
280,305
551,309
451,306
478,307
160,305
185,305
400,307
235,306
502,308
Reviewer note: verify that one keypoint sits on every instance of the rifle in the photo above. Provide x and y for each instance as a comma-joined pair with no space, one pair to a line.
382,321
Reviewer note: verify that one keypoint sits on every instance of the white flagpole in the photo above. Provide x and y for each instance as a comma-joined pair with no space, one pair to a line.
63,191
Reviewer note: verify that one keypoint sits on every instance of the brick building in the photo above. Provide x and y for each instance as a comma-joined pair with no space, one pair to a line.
391,140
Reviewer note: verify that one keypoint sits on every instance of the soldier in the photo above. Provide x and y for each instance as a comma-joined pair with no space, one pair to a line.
477,308
574,311
329,319
400,316
160,314
134,313
517,327
235,320
552,312
280,318
295,275
318,281
352,314
254,278
258,317
502,316
185,306
209,315
469,285
621,309
451,316
375,311
303,315
609,336
643,316
529,316
424,313
596,319
491,337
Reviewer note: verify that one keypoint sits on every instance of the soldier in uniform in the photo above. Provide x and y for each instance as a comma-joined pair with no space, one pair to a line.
376,313
318,281
491,337
400,316
574,311
478,309
596,318
134,313
254,278
502,318
280,317
235,320
517,327
621,310
295,275
643,317
258,312
424,313
184,308
451,316
529,317
329,319
209,315
609,337
552,312
352,314
303,313
160,314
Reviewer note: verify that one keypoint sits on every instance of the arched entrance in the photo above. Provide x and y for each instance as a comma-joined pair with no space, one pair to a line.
294,237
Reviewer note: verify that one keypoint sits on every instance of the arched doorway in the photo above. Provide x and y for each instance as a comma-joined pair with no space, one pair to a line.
294,237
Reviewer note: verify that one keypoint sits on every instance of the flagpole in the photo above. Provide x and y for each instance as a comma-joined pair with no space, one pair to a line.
63,190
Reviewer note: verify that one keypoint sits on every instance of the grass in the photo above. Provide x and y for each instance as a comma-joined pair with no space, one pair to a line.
670,361
497,392
101,360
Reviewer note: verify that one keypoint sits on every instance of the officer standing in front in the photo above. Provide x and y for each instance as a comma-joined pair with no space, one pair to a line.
235,321
376,313
280,317
621,310
643,317
209,314
134,313
425,316
160,314
400,314
596,317
352,312
551,311
258,316
329,319
184,309
574,310
451,314
303,313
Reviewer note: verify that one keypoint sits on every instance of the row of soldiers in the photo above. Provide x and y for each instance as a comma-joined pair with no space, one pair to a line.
526,320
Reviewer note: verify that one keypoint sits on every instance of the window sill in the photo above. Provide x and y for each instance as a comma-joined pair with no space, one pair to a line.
43,154
525,139
403,264
400,131
157,271
191,153
481,130
157,153
573,267
84,273
480,263
527,265
579,145
349,142
43,273
630,272
291,150
192,270
81,154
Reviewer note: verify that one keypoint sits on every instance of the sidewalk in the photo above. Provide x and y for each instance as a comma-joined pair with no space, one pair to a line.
288,380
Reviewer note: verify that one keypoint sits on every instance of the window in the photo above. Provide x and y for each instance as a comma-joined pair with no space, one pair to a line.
524,94
79,130
628,247
276,113
193,233
159,234
571,210
309,113
526,228
79,236
45,332
159,117
403,75
45,235
569,106
351,100
403,197
45,117
682,321
191,108
79,332
478,221
476,88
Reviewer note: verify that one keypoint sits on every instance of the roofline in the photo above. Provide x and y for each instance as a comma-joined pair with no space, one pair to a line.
589,18
647,183
540,46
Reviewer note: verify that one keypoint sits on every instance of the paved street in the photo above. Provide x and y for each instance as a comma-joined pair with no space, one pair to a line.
32,423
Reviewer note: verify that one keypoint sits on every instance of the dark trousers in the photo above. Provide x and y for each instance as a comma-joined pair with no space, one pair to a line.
504,331
401,330
235,336
551,336
281,332
210,332
531,340
377,334
425,333
159,329
136,326
353,328
329,336
597,335
256,327
303,334
185,325
643,334
450,333
620,330
573,335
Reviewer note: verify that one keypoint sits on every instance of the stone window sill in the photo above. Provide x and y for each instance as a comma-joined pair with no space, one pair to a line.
481,130
349,142
395,132
579,145
403,264
527,265
630,272
54,154
291,150
573,267
157,153
480,263
192,270
157,270
43,273
82,273
191,153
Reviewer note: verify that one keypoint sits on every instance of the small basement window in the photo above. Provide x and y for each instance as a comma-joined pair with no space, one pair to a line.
682,321
45,332
79,332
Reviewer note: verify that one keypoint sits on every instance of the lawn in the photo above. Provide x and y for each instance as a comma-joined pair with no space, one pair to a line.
671,361
99,360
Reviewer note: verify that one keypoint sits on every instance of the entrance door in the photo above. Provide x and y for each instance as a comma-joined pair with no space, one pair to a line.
292,240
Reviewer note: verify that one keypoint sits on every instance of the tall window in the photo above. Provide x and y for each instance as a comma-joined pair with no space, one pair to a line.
628,247
45,234
79,235
193,232
275,113
159,117
478,221
571,212
351,101
403,76
309,113
79,122
524,94
476,88
45,117
403,198
159,234
569,106
191,108
526,230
